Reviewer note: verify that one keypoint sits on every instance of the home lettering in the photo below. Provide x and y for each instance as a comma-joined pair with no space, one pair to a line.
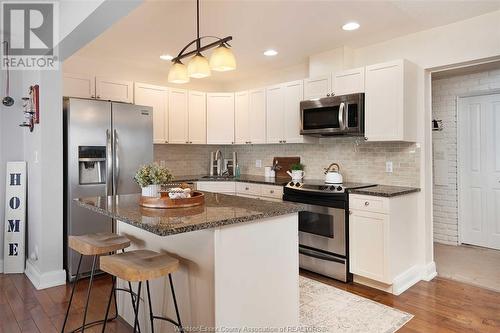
13,226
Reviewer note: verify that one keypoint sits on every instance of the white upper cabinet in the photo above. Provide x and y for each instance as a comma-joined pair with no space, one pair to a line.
257,115
78,85
241,120
275,114
317,87
178,116
293,95
157,98
349,81
220,118
197,115
114,90
390,101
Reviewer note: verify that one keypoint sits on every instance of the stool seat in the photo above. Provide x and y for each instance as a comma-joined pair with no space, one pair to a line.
98,244
139,265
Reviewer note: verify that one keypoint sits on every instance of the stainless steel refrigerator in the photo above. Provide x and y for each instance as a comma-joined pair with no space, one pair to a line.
104,145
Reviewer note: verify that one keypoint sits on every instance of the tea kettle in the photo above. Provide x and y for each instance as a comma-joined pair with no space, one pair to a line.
332,174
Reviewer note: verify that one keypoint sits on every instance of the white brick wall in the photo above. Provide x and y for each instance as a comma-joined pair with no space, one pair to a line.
444,96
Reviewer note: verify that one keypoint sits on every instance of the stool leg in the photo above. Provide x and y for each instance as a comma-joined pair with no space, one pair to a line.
151,317
136,310
88,293
113,292
175,303
72,293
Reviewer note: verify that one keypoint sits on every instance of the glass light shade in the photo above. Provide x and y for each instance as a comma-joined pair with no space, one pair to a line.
178,73
198,67
222,59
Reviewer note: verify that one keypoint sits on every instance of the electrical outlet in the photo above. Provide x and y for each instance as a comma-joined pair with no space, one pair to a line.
258,163
388,166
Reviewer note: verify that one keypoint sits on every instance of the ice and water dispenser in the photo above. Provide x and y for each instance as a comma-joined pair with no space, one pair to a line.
92,165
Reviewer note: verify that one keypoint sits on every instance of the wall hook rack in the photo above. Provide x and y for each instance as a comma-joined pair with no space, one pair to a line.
31,108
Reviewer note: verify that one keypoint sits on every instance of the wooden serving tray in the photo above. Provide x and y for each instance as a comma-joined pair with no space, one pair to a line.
164,202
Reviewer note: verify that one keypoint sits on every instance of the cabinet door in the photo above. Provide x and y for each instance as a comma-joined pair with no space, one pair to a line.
114,90
257,115
368,244
317,87
157,98
384,105
349,82
275,114
178,116
241,127
220,118
293,95
78,85
197,117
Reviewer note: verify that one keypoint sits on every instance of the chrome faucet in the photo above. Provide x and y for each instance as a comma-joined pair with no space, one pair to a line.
220,162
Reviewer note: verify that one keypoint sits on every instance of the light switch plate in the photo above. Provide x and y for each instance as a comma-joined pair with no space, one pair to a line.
258,163
388,166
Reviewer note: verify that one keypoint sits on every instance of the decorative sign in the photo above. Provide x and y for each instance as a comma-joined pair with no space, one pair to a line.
15,218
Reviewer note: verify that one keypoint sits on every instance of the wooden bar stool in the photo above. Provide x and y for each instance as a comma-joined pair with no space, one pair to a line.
139,266
92,245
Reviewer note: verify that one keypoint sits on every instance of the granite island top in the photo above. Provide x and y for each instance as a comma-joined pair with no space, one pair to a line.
218,210
385,190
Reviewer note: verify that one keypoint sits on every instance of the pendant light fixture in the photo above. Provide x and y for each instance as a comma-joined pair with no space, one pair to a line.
198,67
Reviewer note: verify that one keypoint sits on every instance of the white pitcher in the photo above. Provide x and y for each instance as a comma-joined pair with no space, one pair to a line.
296,175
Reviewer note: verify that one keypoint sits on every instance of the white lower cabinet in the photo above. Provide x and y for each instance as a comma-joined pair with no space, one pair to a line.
382,242
249,190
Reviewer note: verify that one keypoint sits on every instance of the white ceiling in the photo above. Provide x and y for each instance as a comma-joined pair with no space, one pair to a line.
296,29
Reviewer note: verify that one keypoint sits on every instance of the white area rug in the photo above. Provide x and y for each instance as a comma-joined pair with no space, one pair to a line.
328,309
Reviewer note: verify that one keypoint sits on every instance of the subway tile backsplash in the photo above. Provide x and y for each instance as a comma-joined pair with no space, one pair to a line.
359,161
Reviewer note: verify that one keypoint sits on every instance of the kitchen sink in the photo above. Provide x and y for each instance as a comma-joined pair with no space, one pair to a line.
218,177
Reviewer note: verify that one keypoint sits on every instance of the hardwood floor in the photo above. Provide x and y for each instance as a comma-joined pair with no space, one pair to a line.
439,306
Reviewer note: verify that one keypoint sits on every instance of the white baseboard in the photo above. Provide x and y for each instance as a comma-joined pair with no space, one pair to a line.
44,280
406,279
429,271
1,265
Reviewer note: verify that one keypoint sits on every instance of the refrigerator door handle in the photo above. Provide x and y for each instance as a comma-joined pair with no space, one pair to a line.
109,163
117,162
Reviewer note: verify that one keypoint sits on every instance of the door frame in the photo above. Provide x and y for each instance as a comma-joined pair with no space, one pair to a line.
459,107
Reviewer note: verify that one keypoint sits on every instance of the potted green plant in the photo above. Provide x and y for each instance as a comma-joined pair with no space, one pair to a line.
150,177
297,171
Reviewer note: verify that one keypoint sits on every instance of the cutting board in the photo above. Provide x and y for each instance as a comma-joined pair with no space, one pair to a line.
285,163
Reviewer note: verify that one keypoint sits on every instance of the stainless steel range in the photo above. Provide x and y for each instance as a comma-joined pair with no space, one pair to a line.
323,226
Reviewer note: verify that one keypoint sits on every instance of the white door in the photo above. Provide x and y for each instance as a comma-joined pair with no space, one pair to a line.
178,116
294,93
257,115
241,126
197,117
114,90
157,98
220,118
78,85
479,170
275,114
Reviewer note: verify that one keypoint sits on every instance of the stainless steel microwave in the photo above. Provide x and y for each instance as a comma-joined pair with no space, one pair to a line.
335,115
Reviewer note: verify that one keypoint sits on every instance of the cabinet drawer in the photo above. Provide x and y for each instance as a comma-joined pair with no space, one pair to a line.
270,191
248,189
369,203
217,187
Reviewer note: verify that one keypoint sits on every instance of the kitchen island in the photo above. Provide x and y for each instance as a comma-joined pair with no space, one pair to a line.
238,258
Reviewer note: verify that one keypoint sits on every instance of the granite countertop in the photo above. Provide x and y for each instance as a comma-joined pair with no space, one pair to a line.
242,178
385,190
219,210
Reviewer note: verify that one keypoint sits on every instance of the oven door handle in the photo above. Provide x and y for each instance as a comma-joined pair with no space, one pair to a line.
319,255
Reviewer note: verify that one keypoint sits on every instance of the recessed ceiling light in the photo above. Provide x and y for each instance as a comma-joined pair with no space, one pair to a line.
166,57
350,26
270,53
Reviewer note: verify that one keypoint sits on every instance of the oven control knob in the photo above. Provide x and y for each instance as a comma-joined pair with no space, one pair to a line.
339,188
291,184
297,184
332,188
